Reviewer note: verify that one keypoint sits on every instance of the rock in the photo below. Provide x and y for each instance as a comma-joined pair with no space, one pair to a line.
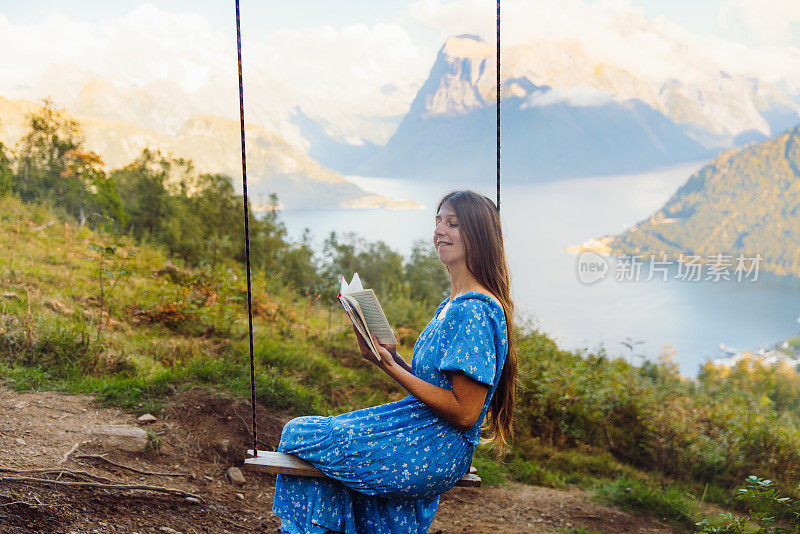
59,307
123,437
147,418
193,500
240,496
21,442
174,273
235,475
224,446
7,295
169,530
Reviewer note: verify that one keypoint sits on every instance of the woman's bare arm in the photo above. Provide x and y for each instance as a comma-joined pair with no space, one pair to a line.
401,362
460,406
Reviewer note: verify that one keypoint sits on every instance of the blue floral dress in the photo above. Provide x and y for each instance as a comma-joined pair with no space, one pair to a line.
388,464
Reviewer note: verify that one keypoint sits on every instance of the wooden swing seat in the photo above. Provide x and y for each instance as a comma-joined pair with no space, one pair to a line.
288,464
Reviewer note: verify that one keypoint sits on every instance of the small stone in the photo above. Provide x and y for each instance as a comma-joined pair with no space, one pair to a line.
169,530
147,418
235,475
224,446
194,500
59,307
240,496
21,442
210,479
7,295
123,437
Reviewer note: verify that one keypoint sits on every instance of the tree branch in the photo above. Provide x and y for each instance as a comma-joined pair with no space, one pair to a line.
28,481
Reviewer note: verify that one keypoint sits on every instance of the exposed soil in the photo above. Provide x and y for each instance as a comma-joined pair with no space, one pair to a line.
38,429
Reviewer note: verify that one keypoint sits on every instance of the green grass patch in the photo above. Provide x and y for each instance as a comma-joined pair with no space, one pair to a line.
489,469
646,497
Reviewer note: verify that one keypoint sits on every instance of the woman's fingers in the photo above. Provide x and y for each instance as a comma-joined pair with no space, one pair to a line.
362,345
385,354
366,351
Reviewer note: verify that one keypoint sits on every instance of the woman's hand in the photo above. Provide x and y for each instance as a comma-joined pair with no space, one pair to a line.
386,351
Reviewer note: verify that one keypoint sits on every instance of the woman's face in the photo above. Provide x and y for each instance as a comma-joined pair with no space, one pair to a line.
447,237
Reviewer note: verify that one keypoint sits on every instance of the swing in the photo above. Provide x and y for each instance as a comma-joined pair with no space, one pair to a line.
278,462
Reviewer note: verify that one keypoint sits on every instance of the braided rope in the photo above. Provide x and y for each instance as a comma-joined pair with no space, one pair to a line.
246,234
498,105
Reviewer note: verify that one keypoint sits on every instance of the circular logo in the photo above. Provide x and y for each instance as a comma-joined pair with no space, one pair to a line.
591,267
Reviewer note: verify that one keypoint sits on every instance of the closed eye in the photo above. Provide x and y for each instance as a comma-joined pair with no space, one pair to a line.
451,222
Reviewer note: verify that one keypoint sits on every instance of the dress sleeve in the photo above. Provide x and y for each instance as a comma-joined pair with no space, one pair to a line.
470,347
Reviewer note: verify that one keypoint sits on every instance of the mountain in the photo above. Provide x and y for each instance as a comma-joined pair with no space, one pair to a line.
573,106
746,201
213,144
569,110
548,133
326,147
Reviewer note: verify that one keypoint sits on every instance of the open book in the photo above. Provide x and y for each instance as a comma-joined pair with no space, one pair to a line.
365,311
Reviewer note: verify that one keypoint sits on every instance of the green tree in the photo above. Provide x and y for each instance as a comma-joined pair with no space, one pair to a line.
48,156
267,236
142,185
6,171
426,275
216,205
378,266
54,166
81,181
297,268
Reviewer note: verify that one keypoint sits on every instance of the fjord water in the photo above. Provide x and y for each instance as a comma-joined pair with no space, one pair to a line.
540,220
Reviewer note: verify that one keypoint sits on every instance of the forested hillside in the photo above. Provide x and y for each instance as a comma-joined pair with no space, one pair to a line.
745,202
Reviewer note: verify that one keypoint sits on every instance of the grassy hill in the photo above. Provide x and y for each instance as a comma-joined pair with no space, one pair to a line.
746,201
132,327
81,311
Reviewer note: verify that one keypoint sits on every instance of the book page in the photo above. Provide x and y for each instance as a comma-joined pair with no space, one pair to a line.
354,285
353,310
374,316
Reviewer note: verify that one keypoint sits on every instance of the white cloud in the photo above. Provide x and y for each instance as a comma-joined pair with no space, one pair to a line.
771,22
341,74
617,32
144,45
334,73
347,67
578,96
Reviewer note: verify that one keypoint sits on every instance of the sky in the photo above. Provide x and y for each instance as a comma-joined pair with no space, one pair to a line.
723,18
360,58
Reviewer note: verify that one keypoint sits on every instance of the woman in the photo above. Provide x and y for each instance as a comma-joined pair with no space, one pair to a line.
389,464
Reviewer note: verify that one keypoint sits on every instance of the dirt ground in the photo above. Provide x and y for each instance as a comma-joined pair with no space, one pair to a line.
37,430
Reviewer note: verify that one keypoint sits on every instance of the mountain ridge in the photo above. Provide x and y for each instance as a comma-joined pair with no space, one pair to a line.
548,134
746,201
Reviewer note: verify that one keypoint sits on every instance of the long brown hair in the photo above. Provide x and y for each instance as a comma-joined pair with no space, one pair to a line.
479,224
